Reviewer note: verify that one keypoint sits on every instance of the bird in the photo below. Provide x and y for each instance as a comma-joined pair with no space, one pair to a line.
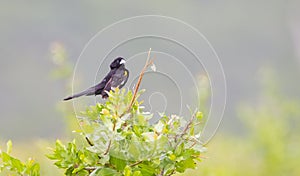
117,77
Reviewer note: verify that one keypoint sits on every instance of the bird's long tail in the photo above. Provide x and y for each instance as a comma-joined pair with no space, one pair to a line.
90,91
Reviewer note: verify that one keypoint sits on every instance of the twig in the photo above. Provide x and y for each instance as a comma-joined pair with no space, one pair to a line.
173,172
185,129
195,142
89,142
109,144
108,147
188,124
147,64
162,172
136,163
90,168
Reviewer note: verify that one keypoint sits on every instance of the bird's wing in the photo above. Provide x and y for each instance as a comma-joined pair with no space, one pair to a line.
100,87
118,79
126,76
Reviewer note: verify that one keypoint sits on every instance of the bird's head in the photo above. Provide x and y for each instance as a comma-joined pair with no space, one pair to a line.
117,63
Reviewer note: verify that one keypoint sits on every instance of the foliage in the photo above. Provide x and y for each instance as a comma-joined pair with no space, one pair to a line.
9,163
271,123
123,142
270,144
62,72
59,58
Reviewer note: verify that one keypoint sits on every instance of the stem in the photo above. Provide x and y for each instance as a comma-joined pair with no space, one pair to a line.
90,168
136,163
162,172
188,124
108,147
185,129
147,64
89,142
109,144
173,172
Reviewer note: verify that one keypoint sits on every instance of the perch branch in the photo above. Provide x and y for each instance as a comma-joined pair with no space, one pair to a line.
147,64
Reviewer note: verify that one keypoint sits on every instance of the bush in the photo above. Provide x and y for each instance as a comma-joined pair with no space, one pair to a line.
121,141
14,165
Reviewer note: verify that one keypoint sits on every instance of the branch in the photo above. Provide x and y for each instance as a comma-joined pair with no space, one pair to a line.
186,128
188,125
108,147
136,163
109,144
88,141
162,172
172,173
90,168
147,64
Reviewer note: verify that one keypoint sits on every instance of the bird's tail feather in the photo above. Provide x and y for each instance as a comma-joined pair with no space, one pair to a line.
90,91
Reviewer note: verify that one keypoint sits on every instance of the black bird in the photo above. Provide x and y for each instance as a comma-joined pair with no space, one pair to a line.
117,77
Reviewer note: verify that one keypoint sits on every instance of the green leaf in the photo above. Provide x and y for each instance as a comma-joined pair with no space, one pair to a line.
95,172
79,168
127,171
15,165
137,173
147,169
199,115
9,147
118,163
185,164
179,149
105,172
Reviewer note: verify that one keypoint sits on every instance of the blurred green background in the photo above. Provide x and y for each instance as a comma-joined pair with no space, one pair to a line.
258,43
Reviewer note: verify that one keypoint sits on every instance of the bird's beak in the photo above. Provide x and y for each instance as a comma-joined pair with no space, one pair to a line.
122,61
